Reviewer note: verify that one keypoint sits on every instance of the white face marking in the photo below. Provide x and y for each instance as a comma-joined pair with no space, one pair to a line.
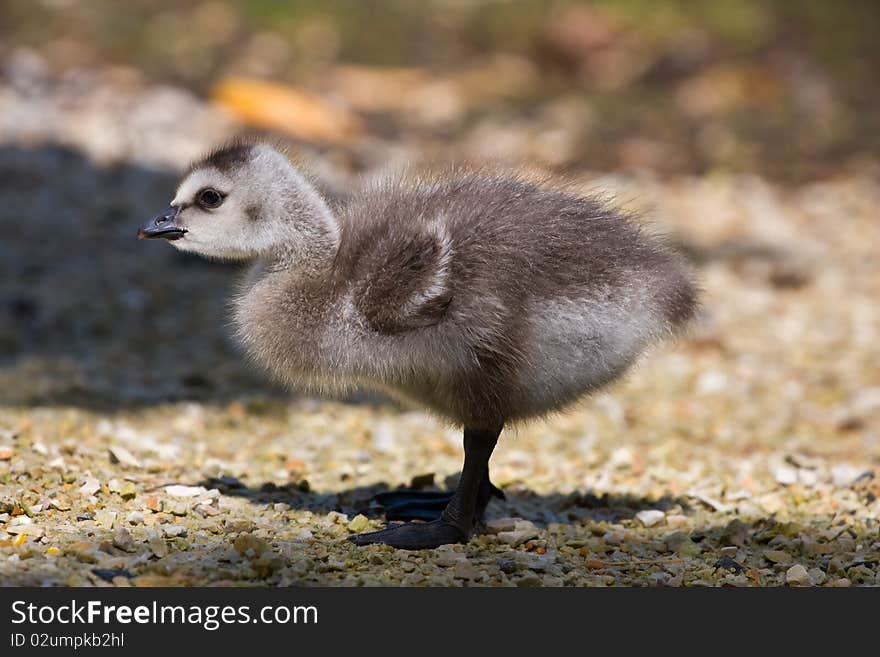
267,208
225,232
199,180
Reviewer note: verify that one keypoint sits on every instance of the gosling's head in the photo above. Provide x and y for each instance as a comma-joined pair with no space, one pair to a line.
243,201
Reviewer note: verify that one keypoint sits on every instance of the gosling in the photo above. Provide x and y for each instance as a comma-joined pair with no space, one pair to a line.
487,299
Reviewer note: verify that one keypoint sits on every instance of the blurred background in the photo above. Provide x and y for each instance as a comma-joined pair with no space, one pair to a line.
101,103
746,130
787,88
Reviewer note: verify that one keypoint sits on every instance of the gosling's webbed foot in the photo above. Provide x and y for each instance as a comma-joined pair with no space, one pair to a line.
413,504
429,504
458,512
414,535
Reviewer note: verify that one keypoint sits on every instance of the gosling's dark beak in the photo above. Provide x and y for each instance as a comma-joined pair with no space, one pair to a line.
162,225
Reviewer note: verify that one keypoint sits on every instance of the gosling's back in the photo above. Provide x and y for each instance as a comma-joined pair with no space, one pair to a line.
514,298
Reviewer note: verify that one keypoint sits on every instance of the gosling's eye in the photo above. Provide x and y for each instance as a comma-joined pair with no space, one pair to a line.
209,198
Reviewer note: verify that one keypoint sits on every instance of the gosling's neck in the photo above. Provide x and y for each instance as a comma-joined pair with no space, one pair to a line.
309,233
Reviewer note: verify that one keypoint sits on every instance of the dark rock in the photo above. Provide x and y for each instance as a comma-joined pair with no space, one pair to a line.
730,564
508,566
422,481
107,574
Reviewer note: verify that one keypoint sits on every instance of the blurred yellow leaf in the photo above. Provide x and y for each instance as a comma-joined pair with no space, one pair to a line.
296,112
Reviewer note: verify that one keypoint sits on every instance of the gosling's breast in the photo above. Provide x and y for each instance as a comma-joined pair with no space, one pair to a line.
282,325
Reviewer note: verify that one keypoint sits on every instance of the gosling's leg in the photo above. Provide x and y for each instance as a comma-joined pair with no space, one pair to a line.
457,519
429,504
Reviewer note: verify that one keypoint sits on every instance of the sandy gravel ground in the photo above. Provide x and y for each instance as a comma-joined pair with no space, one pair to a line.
136,447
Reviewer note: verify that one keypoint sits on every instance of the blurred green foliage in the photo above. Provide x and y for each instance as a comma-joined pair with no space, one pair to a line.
442,32
791,86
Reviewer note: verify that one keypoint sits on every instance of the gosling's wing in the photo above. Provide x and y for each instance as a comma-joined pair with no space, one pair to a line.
405,279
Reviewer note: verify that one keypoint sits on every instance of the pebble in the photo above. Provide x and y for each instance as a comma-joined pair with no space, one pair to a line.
676,521
420,481
25,526
446,556
817,576
808,478
177,508
334,517
688,548
110,574
158,547
498,525
358,524
123,540
128,492
83,552
105,519
238,525
650,517
777,556
780,540
508,566
674,540
711,502
657,578
332,565
730,564
135,518
90,487
529,580
465,570
176,490
207,511
517,537
785,475
735,532
56,464
119,454
843,475
537,562
172,531
797,574
621,458
248,545
61,502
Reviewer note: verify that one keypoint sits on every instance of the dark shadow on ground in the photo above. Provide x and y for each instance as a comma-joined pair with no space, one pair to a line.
90,315
520,501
